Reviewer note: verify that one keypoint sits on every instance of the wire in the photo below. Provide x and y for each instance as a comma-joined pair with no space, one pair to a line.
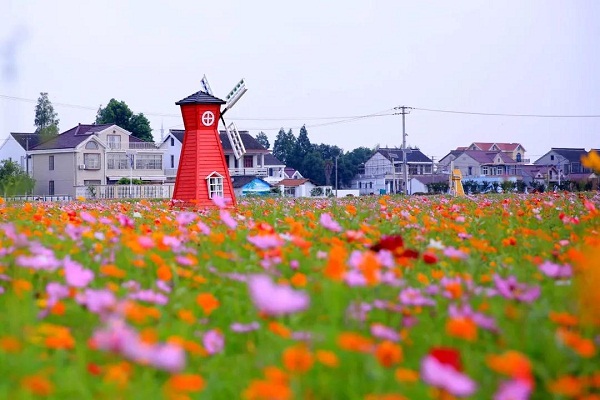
506,115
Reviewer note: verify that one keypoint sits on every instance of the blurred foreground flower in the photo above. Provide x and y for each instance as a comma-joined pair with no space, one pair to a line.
442,368
274,299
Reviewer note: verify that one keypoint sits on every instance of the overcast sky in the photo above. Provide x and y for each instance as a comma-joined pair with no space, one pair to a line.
317,63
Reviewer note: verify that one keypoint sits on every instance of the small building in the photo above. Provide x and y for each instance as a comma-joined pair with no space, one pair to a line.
250,186
16,146
296,187
418,183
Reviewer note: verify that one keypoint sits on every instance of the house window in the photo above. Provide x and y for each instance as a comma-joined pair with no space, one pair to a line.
51,163
91,161
148,161
552,157
575,168
215,186
116,161
248,162
172,142
227,160
518,157
470,171
485,170
91,145
172,161
289,192
51,188
114,142
270,171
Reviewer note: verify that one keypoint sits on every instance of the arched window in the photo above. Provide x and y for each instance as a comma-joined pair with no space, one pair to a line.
518,157
91,145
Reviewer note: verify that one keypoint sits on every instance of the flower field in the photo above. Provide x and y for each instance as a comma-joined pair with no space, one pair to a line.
489,297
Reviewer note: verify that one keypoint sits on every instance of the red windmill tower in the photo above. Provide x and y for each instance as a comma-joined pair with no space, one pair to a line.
203,173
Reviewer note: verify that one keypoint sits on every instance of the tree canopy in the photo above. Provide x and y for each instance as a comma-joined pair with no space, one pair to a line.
46,121
13,180
262,138
119,113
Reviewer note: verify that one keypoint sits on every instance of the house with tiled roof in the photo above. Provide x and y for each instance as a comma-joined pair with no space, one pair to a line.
299,187
16,145
90,156
478,163
566,160
275,169
516,151
252,163
383,172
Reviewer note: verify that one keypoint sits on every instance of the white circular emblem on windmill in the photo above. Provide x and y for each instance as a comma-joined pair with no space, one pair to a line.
208,118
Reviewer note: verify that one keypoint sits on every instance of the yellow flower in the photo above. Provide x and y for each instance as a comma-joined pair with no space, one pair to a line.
591,160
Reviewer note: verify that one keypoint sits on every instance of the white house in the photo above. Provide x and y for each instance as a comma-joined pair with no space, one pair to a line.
15,147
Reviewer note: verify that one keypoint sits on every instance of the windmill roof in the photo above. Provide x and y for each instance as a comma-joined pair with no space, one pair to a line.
72,137
200,97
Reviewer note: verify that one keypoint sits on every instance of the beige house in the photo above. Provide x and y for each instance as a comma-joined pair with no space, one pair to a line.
515,150
93,155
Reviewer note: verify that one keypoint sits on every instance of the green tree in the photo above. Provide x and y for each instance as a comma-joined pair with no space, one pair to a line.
262,138
284,146
45,120
313,166
13,180
119,113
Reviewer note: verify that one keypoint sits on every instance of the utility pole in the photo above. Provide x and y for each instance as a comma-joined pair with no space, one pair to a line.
404,110
336,178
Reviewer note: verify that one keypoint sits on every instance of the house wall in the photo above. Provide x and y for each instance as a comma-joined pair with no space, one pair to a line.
12,150
463,162
416,186
89,173
62,175
171,150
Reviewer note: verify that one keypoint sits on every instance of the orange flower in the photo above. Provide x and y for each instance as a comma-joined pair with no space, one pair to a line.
279,329
566,385
327,358
354,342
406,375
113,271
563,318
164,273
10,344
298,359
207,302
298,280
336,264
587,274
38,385
388,353
369,267
20,286
274,374
118,374
511,363
462,327
267,390
186,316
186,383
582,346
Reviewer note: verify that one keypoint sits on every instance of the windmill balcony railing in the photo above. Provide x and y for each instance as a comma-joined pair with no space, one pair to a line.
249,171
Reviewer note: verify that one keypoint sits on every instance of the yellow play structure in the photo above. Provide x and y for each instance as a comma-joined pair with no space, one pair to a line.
456,187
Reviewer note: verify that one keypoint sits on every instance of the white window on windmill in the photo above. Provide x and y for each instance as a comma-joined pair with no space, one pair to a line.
215,185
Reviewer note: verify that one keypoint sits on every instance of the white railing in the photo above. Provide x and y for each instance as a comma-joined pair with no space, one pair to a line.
133,146
47,197
124,191
249,171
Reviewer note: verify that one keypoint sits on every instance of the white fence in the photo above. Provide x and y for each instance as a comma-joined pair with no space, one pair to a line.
125,191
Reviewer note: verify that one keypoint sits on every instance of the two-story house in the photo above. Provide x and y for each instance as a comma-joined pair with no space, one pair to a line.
515,150
383,172
253,163
478,163
566,160
93,155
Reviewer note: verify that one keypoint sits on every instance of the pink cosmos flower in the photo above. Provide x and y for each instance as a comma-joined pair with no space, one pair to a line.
381,331
265,242
329,223
413,297
146,242
510,288
243,328
274,299
556,271
46,261
76,275
150,296
228,219
56,292
444,375
480,319
87,217
515,389
185,218
454,253
97,301
219,201
125,221
213,341
203,228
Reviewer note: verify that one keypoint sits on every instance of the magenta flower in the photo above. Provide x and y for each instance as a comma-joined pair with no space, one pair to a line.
480,319
76,275
150,296
454,253
413,297
97,301
274,299
228,219
56,292
515,389
45,261
556,271
203,228
213,341
243,328
381,331
219,201
185,218
265,242
446,377
329,223
510,288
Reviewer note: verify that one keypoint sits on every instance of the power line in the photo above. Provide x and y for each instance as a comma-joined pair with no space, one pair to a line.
506,115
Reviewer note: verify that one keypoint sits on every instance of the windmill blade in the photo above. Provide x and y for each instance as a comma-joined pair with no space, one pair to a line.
205,86
235,94
236,141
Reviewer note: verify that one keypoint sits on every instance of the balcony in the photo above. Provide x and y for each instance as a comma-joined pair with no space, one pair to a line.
249,171
133,146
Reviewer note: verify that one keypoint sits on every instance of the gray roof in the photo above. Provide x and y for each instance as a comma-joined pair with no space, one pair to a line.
250,143
415,155
27,140
200,98
73,137
573,155
270,159
436,178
